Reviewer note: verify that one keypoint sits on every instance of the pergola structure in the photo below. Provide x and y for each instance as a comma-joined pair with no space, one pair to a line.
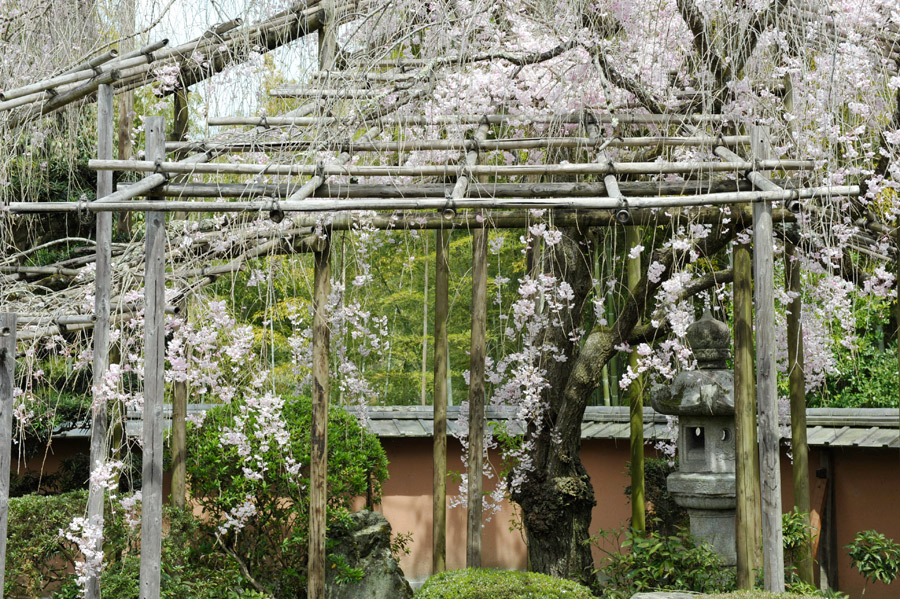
343,112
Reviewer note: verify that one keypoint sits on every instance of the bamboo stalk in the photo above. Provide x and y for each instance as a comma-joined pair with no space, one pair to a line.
94,62
154,385
7,382
766,385
103,249
331,205
472,119
747,512
635,397
453,144
441,357
179,438
478,350
442,190
620,168
797,383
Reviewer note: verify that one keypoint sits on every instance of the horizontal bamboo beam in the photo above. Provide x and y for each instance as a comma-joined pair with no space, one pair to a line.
331,205
454,144
442,190
314,92
590,168
492,119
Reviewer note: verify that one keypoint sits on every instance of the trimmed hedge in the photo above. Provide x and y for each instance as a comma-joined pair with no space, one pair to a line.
499,584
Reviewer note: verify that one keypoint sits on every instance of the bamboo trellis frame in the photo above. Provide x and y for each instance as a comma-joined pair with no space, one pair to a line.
507,210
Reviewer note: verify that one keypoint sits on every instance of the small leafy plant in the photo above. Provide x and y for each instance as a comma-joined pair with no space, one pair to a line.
875,556
654,561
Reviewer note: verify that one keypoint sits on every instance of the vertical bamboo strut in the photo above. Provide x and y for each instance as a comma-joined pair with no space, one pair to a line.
798,405
766,391
636,399
318,466
476,398
99,443
154,386
441,353
423,395
179,436
747,514
7,381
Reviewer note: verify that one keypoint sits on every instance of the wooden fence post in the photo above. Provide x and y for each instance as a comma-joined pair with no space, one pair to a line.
99,443
766,383
154,384
318,466
441,311
747,513
476,398
7,382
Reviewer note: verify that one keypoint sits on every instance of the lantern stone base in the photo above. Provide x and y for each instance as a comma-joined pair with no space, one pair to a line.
710,501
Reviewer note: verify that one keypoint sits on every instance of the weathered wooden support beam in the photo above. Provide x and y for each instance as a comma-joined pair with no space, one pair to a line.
102,281
747,513
7,382
441,357
797,385
766,383
154,384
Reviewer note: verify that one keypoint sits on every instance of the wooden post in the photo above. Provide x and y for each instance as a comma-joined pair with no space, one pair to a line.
797,383
635,398
7,382
154,385
318,466
179,436
99,444
766,383
476,398
747,513
441,353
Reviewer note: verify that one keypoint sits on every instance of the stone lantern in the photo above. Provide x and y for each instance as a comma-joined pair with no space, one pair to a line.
703,400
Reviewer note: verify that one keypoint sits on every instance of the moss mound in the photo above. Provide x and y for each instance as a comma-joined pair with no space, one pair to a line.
499,584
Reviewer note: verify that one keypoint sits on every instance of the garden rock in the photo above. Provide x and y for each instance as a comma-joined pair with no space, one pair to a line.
366,545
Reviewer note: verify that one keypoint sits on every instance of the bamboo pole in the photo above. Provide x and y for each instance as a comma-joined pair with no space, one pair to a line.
179,437
797,383
475,469
442,190
318,498
154,385
7,382
476,398
747,513
441,357
472,119
329,205
766,383
99,443
411,145
635,397
447,170
423,391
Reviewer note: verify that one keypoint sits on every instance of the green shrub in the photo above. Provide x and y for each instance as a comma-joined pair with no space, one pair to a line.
875,556
499,584
659,562
37,557
271,548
